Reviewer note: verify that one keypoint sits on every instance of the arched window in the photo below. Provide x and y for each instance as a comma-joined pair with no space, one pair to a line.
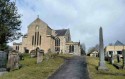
18,47
37,38
57,44
32,40
71,48
40,40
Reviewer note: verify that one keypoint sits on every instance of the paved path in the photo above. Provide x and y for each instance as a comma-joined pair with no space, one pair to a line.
73,68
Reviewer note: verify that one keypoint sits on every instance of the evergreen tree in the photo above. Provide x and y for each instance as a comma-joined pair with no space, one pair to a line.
9,23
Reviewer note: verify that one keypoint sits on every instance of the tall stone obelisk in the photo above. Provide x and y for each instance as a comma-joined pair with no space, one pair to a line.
102,65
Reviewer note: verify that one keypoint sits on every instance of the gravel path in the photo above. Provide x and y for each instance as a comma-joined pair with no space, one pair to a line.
73,68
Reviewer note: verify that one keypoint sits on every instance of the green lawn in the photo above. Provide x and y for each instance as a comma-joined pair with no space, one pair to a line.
65,55
113,73
31,70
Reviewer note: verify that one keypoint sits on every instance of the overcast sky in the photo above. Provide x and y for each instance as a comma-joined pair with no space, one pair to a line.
82,17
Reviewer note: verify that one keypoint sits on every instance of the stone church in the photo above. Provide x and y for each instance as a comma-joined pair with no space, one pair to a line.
41,35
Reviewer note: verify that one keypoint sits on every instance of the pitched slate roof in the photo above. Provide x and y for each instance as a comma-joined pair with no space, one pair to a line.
36,21
61,32
17,43
25,36
118,43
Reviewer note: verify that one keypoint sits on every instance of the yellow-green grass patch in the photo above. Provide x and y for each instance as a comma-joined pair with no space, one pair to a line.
113,73
31,70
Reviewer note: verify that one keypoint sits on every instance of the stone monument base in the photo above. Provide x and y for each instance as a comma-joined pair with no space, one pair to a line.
102,66
112,61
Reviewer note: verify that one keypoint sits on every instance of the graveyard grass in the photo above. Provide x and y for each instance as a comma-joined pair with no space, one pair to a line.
31,70
113,73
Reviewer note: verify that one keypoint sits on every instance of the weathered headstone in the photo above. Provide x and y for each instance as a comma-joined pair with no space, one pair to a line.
33,53
123,52
46,57
13,60
21,56
58,53
112,58
107,58
39,55
3,60
102,65
118,58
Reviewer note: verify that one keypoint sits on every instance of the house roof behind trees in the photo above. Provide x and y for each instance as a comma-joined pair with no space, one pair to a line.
118,43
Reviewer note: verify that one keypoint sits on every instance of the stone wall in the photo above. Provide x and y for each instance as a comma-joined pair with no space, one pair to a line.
18,47
77,48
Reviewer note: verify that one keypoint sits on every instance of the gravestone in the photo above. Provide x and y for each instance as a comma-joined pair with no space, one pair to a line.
13,60
33,53
47,56
3,61
112,58
118,58
40,54
123,52
102,65
21,56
